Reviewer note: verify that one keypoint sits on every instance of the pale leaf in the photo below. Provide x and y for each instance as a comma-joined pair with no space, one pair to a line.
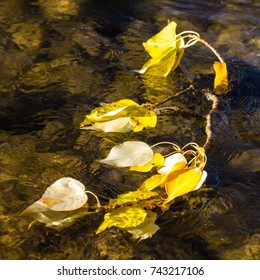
175,161
117,125
129,153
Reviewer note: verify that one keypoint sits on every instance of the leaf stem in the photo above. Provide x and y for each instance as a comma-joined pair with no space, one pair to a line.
97,199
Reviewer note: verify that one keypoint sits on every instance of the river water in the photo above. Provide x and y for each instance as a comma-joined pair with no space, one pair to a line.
60,59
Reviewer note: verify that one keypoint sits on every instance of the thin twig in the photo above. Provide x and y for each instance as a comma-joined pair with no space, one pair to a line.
208,129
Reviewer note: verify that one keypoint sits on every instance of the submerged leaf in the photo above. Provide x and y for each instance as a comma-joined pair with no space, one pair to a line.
123,217
157,160
145,230
221,78
129,153
183,181
132,197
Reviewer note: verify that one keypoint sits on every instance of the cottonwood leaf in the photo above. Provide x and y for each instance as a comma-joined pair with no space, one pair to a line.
110,111
143,117
129,153
125,124
173,162
153,182
145,230
157,160
132,197
166,49
123,217
221,78
183,181
65,194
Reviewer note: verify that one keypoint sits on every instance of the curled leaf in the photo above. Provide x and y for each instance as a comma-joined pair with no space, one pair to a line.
123,217
183,181
166,49
129,153
221,78
121,116
173,162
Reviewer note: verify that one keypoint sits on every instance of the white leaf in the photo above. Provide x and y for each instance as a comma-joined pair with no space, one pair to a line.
130,153
170,162
66,194
202,179
117,125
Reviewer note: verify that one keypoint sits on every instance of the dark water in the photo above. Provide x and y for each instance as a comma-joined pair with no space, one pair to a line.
60,59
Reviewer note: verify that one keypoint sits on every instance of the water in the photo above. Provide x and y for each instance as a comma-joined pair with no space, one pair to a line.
60,59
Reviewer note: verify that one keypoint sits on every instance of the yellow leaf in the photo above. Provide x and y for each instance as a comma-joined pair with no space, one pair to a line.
221,78
153,182
111,111
157,160
181,182
132,197
160,42
143,117
123,217
166,49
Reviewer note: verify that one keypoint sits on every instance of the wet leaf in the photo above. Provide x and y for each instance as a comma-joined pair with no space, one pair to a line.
129,153
65,194
132,197
122,116
183,181
123,217
173,162
110,111
157,160
153,182
143,118
117,125
221,78
145,230
166,49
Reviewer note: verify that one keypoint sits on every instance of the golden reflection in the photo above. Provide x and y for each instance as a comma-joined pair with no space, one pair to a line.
58,9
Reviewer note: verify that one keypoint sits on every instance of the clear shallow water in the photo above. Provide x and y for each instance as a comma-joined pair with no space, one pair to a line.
59,61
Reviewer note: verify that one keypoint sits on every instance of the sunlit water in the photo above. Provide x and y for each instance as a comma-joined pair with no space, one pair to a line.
60,59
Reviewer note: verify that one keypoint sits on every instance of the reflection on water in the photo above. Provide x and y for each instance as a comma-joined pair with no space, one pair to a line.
59,59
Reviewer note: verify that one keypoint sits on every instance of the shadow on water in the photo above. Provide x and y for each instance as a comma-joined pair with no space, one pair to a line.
60,59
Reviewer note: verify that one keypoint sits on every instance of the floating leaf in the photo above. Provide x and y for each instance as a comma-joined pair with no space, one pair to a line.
145,230
157,160
153,182
129,153
166,49
183,181
65,194
121,116
110,111
173,162
143,118
123,217
117,125
221,78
